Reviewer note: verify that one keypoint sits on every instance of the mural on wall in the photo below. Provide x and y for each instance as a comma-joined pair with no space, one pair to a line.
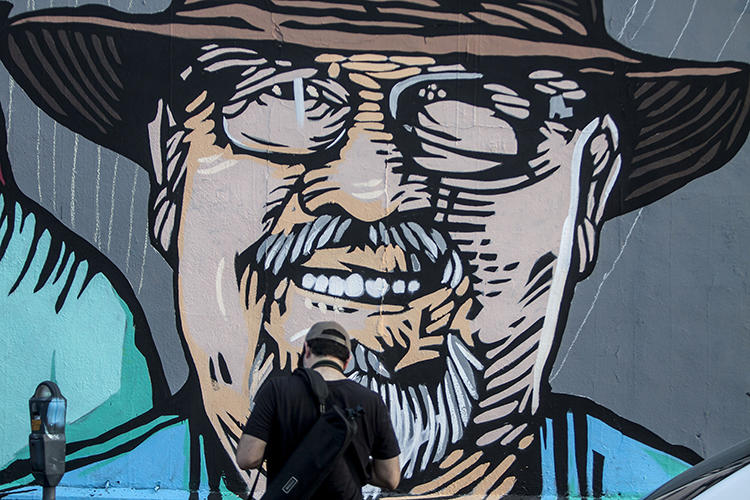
432,175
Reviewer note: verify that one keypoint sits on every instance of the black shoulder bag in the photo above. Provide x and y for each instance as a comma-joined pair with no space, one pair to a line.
324,443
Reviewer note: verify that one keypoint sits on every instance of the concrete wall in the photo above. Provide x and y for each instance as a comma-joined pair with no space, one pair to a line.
575,322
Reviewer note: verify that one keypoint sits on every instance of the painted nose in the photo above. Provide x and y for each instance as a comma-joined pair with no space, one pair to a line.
361,180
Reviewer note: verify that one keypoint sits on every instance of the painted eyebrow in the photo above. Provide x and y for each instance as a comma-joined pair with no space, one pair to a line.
403,85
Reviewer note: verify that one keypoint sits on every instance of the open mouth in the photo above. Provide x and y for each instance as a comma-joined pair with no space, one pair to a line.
363,284
328,256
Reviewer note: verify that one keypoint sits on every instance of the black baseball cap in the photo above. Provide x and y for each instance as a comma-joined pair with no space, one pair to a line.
329,330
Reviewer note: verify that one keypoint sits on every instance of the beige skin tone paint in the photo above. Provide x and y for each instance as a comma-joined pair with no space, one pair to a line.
230,190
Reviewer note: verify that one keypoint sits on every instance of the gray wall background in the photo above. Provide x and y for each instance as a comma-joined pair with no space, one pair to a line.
660,333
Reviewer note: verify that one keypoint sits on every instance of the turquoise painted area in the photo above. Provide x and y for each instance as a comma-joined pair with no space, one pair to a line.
631,468
147,466
549,489
574,489
87,348
159,467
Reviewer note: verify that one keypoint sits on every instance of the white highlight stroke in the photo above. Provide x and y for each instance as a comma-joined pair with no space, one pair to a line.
96,196
645,19
596,295
54,166
687,22
734,28
73,183
219,296
628,17
143,258
112,203
299,101
130,227
11,84
562,267
38,156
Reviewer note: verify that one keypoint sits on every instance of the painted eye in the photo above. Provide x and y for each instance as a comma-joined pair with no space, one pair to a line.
456,127
295,116
462,138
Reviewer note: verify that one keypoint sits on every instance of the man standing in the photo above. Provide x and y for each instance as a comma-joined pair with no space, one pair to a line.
283,412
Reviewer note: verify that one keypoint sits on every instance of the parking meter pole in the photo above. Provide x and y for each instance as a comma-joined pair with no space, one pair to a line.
48,493
47,409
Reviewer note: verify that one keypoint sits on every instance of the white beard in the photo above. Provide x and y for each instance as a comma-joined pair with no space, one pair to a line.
425,419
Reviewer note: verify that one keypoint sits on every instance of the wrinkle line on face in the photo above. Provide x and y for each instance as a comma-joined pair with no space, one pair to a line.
562,267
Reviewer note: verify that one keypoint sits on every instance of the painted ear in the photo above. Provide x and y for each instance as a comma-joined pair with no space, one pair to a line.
167,174
602,152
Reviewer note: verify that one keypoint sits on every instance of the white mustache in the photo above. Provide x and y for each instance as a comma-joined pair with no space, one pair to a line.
420,245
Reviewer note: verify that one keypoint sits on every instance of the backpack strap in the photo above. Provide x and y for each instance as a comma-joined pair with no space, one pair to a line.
316,384
319,390
330,363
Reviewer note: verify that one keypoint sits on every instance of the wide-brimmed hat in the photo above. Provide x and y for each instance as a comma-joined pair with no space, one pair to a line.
99,71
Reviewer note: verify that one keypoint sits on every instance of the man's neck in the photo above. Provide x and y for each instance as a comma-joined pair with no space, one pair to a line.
327,372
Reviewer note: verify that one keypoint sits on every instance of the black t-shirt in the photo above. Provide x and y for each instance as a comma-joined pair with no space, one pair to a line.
284,410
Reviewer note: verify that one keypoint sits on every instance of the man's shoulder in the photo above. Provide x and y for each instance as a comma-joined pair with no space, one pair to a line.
352,387
355,394
292,386
283,384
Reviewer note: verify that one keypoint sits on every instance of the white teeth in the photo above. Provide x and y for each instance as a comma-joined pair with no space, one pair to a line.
308,281
336,286
354,286
321,284
447,273
376,288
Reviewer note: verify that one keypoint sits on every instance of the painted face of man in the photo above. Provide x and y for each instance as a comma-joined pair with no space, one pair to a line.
438,211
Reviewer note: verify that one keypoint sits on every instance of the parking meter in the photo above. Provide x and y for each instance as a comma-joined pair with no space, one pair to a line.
47,439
